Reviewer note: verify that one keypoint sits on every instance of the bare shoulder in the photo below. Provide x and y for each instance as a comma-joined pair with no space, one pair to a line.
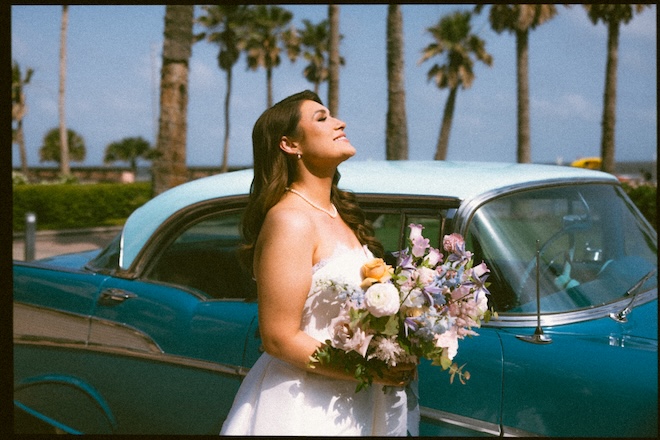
286,220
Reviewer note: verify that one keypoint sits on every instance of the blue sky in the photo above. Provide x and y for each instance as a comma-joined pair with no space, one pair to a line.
114,63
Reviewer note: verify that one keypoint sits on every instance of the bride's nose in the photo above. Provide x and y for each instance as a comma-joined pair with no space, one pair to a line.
340,124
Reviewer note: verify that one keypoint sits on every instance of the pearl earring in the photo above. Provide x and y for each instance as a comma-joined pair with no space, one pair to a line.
299,156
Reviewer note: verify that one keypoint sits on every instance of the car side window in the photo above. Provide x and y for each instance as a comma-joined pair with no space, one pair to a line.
205,257
392,230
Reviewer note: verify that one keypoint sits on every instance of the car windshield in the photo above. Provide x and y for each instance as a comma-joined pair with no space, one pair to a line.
592,247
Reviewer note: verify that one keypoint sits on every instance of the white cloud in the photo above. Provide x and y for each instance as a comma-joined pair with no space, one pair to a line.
567,106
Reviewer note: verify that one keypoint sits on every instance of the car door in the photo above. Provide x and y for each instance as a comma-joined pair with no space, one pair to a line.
448,408
173,339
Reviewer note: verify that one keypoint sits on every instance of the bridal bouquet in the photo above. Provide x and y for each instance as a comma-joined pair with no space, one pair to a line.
420,309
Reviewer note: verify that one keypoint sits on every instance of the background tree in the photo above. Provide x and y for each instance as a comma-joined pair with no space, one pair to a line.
169,165
333,71
51,150
18,110
226,28
314,42
612,14
267,32
128,150
65,169
396,131
519,19
453,38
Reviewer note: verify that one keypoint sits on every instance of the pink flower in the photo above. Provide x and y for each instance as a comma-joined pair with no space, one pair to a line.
415,231
433,258
453,242
346,339
449,341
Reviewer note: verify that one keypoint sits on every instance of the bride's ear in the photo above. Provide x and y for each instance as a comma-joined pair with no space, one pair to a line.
289,146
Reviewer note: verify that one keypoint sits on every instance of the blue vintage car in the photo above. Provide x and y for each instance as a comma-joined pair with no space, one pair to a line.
154,333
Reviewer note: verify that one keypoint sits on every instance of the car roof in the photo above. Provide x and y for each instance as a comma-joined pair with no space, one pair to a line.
460,180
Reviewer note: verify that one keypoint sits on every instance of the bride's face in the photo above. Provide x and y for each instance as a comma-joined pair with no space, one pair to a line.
322,135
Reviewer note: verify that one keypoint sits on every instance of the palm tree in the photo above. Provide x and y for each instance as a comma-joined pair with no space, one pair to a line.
226,28
51,149
65,170
453,38
396,131
19,109
333,71
612,14
314,41
267,30
519,19
128,150
169,166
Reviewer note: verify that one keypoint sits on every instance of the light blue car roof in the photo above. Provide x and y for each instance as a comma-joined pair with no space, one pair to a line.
460,180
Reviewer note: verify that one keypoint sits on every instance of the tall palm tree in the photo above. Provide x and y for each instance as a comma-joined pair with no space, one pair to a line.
396,131
519,19
169,166
65,169
333,70
453,38
226,28
267,30
314,41
612,14
19,109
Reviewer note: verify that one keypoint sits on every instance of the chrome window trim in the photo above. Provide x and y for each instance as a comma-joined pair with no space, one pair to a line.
561,318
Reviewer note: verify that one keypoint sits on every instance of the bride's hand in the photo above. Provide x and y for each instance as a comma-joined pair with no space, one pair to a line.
398,376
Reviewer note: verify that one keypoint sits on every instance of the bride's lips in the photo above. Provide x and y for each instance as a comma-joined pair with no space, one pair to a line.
341,137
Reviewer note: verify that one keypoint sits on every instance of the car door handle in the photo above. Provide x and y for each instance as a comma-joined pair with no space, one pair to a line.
112,297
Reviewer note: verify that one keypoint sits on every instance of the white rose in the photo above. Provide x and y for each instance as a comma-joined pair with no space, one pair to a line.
449,341
382,299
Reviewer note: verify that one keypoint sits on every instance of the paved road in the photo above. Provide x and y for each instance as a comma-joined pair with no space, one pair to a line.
50,243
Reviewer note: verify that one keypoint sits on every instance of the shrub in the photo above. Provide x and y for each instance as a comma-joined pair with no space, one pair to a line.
645,197
67,206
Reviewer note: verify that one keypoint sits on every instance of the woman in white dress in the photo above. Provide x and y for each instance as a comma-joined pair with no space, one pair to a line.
299,226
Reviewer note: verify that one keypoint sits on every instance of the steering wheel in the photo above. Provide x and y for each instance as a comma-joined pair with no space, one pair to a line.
562,259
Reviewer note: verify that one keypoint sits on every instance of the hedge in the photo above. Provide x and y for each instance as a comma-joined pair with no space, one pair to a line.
645,196
72,206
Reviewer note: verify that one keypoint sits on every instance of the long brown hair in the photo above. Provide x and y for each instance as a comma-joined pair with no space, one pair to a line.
274,171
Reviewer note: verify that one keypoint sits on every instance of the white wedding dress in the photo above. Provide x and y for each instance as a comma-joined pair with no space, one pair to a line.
277,399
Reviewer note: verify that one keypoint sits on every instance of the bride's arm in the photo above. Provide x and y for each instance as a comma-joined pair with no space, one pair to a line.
283,269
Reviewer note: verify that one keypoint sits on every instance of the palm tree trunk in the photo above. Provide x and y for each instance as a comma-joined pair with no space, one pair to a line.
447,118
269,87
64,139
396,131
169,166
609,107
225,149
20,140
522,58
333,65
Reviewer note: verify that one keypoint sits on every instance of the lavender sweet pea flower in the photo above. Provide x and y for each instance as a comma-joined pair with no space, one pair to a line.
415,231
433,258
420,244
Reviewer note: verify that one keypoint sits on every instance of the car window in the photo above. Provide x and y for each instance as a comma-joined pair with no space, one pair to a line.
204,256
391,229
590,244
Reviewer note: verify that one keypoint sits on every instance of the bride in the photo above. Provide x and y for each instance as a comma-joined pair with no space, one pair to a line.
299,226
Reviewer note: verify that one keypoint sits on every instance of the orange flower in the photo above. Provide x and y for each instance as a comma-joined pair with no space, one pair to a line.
375,271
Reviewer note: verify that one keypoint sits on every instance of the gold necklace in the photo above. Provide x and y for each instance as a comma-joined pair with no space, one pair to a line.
332,213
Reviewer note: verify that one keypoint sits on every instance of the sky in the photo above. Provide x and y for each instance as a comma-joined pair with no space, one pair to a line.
113,73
